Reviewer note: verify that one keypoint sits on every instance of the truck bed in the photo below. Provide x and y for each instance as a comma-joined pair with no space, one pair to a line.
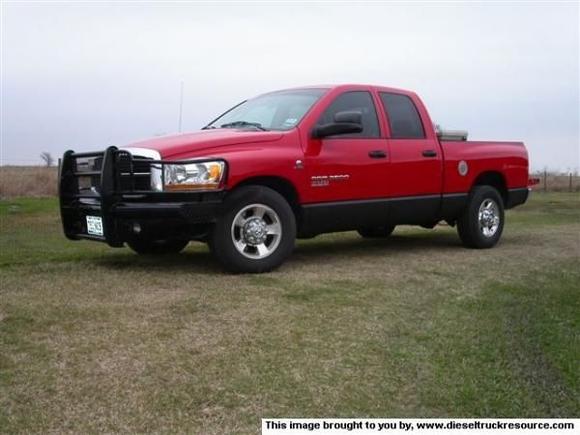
502,157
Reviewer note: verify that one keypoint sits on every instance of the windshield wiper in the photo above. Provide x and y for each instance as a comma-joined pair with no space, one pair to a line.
244,124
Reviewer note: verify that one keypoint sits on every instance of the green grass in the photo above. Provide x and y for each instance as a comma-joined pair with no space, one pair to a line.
95,339
28,206
548,208
519,348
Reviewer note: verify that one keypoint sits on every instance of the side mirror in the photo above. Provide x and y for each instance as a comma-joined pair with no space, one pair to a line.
344,123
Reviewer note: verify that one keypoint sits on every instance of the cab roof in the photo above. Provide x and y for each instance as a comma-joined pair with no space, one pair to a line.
348,86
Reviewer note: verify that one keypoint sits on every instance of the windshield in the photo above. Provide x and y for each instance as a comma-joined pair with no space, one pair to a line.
276,111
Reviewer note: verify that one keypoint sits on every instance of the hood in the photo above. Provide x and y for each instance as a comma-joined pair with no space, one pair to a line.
204,141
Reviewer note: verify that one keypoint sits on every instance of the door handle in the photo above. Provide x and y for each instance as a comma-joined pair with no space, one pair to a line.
377,154
429,153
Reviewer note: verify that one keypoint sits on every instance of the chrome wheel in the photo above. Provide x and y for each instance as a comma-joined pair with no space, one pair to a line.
256,231
488,217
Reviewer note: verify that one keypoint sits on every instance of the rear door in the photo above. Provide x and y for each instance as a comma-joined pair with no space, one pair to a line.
416,163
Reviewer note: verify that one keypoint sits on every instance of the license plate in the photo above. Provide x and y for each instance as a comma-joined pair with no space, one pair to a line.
95,225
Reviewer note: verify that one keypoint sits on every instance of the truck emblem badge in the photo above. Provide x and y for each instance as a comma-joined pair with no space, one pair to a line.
324,180
319,181
462,168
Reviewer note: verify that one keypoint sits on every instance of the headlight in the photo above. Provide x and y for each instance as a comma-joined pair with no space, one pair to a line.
193,176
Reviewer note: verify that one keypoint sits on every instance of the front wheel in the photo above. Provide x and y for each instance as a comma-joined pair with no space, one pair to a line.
257,231
481,224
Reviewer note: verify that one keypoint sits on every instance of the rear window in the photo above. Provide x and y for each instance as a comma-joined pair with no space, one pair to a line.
404,119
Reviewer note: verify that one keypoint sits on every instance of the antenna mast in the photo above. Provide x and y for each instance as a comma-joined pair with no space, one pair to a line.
180,107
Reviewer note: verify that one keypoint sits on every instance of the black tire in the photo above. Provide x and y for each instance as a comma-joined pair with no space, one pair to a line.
231,246
377,232
157,247
476,232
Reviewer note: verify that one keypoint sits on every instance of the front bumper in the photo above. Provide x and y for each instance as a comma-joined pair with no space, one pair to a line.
114,186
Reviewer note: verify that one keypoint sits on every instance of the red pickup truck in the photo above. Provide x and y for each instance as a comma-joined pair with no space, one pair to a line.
293,163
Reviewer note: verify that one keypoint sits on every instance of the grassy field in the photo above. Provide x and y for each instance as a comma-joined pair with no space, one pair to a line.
94,339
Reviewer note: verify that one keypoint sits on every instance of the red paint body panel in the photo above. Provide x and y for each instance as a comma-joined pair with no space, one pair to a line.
190,144
404,172
367,178
411,173
507,158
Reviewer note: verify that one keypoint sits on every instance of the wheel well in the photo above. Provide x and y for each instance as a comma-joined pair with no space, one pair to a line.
494,179
280,185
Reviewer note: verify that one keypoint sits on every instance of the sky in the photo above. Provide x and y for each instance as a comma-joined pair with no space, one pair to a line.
84,76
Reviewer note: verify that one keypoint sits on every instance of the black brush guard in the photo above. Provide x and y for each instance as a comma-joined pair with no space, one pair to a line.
116,186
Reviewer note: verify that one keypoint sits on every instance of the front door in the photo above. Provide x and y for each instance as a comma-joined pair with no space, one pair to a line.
351,166
348,173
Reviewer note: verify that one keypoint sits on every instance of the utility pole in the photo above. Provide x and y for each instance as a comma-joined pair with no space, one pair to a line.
180,107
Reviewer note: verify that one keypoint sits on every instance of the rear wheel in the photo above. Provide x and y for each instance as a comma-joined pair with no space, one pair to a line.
257,231
157,247
481,224
377,232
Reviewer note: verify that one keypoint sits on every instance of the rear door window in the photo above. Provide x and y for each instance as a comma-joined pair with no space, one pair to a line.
404,119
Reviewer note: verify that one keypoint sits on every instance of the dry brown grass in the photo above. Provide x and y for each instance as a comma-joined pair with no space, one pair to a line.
555,182
35,181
